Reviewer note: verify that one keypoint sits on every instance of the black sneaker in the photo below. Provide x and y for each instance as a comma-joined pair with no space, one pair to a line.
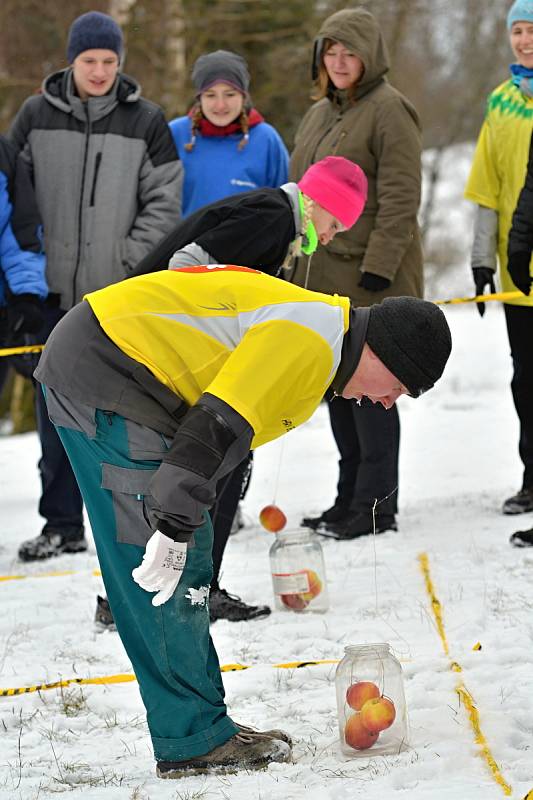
52,542
519,503
103,616
223,605
522,538
336,513
245,750
359,524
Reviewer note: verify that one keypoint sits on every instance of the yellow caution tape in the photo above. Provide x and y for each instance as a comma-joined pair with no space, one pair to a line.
19,351
126,678
59,574
482,298
461,689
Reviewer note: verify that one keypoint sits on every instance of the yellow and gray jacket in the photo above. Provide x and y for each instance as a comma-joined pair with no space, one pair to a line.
221,358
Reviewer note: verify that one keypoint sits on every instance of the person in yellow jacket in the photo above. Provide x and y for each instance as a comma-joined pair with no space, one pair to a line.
158,387
497,175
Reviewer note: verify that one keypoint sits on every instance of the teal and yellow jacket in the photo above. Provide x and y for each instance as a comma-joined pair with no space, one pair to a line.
220,358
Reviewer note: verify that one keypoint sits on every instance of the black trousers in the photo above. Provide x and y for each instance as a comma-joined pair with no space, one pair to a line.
368,440
61,503
230,490
519,321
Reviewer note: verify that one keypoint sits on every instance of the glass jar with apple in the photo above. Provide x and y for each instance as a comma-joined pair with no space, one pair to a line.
298,572
371,701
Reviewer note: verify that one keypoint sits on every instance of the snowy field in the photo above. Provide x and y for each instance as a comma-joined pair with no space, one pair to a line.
458,462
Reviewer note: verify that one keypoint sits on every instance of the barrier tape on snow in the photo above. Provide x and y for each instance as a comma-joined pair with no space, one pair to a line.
59,574
462,691
127,678
479,298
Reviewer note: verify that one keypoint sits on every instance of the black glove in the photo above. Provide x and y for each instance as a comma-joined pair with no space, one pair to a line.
518,266
483,276
373,283
25,314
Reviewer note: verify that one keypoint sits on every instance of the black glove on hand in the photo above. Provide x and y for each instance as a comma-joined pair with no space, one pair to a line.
25,314
518,267
373,283
483,276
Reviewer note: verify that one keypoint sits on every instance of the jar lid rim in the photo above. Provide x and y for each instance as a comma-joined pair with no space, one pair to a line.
372,646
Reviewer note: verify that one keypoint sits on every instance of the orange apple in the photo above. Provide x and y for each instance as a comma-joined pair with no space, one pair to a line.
272,518
356,735
377,714
315,585
294,601
358,693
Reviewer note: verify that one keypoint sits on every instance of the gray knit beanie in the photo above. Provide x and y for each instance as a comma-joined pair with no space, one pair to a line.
412,338
220,66
94,31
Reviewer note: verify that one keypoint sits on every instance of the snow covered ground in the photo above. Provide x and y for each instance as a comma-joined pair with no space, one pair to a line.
458,462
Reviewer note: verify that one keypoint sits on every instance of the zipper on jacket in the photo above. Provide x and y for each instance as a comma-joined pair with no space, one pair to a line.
342,136
80,207
95,178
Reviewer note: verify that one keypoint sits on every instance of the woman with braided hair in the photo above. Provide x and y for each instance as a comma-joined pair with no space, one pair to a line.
224,143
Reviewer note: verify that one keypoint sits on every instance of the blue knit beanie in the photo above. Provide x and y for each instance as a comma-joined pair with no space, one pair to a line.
94,31
520,11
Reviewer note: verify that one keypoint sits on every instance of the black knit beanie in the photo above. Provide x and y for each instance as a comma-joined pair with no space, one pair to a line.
220,66
412,338
94,31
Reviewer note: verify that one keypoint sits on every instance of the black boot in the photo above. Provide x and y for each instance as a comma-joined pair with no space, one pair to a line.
223,605
52,541
519,503
336,513
522,538
103,616
358,524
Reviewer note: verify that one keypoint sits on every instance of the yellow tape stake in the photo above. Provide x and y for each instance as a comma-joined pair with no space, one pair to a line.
19,351
461,689
125,678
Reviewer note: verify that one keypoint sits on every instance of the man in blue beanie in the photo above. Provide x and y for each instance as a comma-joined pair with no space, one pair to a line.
108,185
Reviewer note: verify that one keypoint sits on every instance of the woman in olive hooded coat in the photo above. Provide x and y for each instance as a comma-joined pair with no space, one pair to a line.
360,116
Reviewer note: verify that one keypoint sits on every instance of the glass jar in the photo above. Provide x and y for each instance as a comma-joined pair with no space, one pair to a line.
298,572
371,701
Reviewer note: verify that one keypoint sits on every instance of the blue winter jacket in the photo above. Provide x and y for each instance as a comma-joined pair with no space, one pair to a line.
215,168
22,261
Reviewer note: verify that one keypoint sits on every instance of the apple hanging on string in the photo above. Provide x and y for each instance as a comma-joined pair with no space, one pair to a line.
272,518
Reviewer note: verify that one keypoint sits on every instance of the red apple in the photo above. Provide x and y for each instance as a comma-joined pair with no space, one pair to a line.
378,714
272,518
356,735
358,693
294,601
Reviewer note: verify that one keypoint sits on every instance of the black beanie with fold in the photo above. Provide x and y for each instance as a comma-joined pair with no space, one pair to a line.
412,338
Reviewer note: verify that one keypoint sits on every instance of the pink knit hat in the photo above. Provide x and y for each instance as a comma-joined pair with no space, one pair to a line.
338,185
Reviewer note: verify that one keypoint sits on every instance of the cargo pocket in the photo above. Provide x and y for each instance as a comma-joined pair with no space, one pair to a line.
129,487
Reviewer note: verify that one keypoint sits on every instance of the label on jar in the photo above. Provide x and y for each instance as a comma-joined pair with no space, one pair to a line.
290,582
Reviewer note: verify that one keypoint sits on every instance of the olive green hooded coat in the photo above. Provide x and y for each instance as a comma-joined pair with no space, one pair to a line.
380,131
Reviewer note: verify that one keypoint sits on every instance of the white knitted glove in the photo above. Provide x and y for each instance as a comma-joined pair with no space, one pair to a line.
162,567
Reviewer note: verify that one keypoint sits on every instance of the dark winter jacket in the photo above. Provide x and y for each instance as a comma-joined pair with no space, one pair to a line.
378,130
22,261
521,233
250,228
107,180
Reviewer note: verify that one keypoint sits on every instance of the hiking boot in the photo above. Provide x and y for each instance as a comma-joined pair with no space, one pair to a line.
358,524
522,538
53,541
519,503
103,616
242,751
273,734
223,605
336,513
